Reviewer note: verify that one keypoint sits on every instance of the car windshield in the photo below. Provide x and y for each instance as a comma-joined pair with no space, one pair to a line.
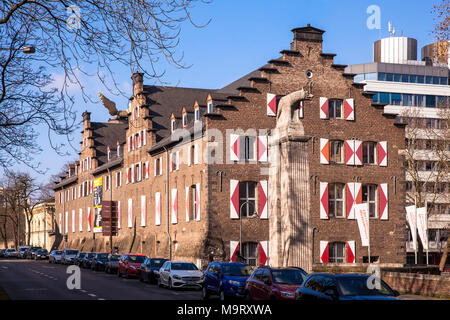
236,270
58,252
42,251
23,249
362,286
136,259
10,250
35,248
102,256
90,255
157,263
183,266
114,257
288,276
81,255
71,252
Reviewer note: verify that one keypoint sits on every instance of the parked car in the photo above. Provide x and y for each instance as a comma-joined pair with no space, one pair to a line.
177,274
99,261
55,256
267,283
150,269
335,287
68,256
41,254
86,262
78,258
22,252
11,253
2,253
31,251
225,279
130,264
112,263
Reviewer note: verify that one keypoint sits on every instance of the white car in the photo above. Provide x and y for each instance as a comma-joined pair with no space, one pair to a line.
55,256
11,253
175,274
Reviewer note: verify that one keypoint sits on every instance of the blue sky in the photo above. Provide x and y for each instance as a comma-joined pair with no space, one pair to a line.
244,34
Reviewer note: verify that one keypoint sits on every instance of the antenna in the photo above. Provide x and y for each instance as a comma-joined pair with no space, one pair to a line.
391,29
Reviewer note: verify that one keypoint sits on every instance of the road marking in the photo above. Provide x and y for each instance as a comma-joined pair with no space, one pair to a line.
92,295
175,293
35,289
100,299
84,291
4,267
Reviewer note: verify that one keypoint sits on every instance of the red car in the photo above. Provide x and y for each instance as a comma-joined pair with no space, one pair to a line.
274,283
130,264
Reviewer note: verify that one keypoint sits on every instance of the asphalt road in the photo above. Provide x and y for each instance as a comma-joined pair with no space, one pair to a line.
39,280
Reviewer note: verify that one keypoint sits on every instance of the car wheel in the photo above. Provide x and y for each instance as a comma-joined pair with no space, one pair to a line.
247,296
159,283
170,284
273,298
141,277
221,295
106,270
205,293
126,274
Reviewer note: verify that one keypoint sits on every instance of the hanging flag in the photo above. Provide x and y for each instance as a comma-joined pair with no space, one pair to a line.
422,226
362,217
411,219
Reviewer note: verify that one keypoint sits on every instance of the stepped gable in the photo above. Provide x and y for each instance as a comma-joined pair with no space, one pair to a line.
107,134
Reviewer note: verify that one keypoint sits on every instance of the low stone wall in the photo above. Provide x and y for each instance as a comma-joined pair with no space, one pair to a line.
422,284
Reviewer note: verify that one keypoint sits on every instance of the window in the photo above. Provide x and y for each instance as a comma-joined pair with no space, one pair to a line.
389,76
210,107
193,202
396,99
197,114
172,125
247,198
420,79
335,109
428,79
336,252
407,99
119,179
184,120
174,160
430,101
384,98
369,150
138,172
404,78
397,77
157,166
107,182
250,253
413,78
419,100
247,148
336,200
369,194
435,80
443,80
381,76
336,151
192,151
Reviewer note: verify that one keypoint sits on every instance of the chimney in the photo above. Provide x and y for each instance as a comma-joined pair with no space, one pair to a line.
138,83
86,120
307,36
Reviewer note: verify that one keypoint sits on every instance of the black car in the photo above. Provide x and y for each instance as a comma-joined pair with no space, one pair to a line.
79,258
31,251
86,262
341,287
99,261
2,253
150,269
112,263
41,254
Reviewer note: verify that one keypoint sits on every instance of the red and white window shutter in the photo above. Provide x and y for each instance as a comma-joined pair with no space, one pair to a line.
130,213
198,203
263,200
324,255
89,219
127,175
80,219
263,253
73,221
158,208
119,215
234,199
358,153
382,153
324,108
132,174
234,248
271,105
189,154
383,200
323,200
129,143
351,255
147,170
144,134
262,149
234,147
154,167
196,154
349,109
174,199
324,151
170,162
177,163
187,204
349,147
143,211
160,166
353,197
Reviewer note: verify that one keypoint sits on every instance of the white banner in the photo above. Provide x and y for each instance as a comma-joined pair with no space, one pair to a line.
411,219
362,216
422,226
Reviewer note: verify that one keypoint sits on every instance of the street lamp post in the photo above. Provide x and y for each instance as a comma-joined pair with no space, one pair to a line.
253,215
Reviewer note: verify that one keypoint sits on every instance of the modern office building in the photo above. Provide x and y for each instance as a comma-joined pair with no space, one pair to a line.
418,93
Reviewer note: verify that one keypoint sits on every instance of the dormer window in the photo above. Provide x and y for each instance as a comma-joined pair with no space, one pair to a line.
172,125
184,120
210,107
108,152
197,114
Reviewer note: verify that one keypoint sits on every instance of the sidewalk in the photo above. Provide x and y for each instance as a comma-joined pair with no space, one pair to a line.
417,297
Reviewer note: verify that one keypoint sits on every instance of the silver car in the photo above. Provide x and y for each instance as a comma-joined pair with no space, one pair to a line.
175,274
68,256
11,253
23,251
55,256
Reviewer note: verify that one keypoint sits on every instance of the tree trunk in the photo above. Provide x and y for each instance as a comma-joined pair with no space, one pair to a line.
444,256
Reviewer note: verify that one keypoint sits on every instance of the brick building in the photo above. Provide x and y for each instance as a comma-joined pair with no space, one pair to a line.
191,174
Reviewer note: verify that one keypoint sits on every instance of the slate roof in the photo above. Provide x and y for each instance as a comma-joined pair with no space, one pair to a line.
105,134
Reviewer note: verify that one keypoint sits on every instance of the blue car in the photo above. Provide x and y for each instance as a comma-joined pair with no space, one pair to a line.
225,279
340,287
